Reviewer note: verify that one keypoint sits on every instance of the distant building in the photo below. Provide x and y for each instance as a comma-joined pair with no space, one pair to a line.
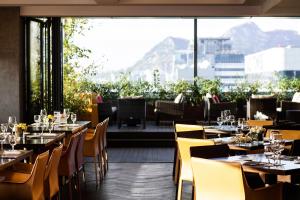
264,65
216,59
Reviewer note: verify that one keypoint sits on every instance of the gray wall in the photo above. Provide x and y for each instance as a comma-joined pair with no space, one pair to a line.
10,63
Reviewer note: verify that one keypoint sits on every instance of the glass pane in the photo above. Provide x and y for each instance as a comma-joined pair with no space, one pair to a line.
253,49
140,47
35,60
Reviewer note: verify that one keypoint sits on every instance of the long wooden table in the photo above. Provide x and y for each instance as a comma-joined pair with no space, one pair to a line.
9,159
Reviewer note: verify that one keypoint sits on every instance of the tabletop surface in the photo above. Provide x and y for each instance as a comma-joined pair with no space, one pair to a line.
8,158
67,128
36,140
259,163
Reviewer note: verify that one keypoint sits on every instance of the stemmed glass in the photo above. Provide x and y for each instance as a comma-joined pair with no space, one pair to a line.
231,119
2,139
73,118
37,119
51,126
268,153
67,113
12,121
220,121
12,138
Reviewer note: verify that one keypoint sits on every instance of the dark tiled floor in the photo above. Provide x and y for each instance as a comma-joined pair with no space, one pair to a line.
134,181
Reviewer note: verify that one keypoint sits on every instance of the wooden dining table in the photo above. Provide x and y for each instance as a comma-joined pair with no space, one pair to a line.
8,158
37,142
290,165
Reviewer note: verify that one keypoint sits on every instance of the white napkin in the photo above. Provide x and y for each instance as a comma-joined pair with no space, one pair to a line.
260,116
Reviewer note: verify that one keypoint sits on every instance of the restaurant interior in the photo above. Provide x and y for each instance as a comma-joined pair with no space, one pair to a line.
132,147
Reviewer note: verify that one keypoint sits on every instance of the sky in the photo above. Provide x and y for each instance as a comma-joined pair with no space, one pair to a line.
119,43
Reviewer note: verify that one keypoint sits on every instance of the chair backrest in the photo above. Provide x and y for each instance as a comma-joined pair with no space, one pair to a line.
37,176
184,145
210,151
51,182
104,110
104,135
295,149
214,180
189,131
260,123
131,107
67,164
79,149
265,105
286,134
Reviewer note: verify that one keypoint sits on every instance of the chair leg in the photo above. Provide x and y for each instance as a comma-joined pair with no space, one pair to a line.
78,184
70,188
179,190
96,170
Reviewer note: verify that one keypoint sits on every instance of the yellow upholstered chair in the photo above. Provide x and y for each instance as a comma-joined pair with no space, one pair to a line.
260,123
91,149
185,131
185,172
286,134
25,186
187,127
215,180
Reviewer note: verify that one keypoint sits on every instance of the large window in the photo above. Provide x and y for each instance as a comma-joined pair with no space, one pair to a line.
139,48
252,49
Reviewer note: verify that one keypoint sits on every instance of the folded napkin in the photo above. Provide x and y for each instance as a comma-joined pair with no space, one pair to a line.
260,116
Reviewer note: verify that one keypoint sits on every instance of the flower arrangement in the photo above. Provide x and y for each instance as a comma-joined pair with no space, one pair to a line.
22,126
50,117
256,133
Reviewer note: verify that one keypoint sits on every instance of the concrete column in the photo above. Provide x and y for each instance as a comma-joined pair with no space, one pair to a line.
10,63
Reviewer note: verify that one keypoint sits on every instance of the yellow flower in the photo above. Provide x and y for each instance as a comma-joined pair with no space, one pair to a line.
50,117
22,126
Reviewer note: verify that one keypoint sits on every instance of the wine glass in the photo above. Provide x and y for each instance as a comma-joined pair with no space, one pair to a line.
67,113
2,139
12,139
231,120
37,119
12,121
73,118
4,127
220,121
268,153
51,126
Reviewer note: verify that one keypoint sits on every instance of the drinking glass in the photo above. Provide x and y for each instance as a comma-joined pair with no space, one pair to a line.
56,116
73,117
12,139
37,119
43,113
4,127
67,113
2,139
12,121
51,126
268,153
220,121
231,120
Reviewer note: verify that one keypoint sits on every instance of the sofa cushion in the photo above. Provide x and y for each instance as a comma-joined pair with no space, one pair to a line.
296,97
179,98
264,96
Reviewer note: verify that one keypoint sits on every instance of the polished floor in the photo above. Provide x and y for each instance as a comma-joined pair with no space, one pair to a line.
134,180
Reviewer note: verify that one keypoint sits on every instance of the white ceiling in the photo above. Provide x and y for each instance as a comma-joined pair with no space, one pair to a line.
183,8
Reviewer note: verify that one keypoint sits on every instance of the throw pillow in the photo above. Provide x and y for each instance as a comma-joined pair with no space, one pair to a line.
296,97
179,98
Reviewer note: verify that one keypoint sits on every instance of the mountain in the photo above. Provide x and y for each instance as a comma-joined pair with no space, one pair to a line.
161,55
248,38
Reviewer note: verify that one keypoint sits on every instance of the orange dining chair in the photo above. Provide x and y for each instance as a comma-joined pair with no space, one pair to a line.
79,159
51,183
25,186
104,146
184,131
215,180
91,149
67,164
185,172
260,123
